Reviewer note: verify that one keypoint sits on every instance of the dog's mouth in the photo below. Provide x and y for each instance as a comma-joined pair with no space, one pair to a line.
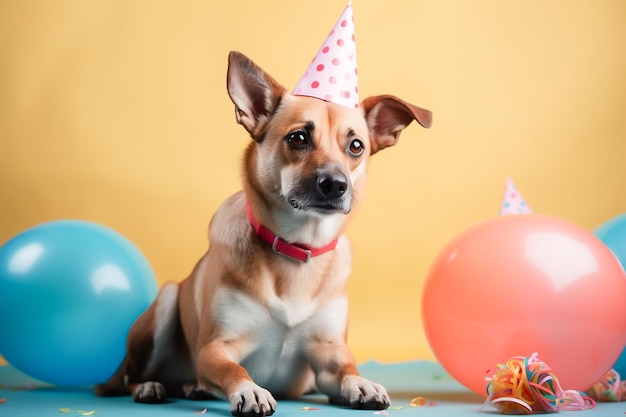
322,207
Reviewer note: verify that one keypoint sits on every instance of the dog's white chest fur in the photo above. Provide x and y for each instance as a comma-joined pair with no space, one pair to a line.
275,336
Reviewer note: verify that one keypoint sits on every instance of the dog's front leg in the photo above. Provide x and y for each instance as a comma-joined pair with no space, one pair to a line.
216,370
338,377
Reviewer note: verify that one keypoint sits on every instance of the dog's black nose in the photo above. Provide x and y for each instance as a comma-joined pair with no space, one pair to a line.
332,183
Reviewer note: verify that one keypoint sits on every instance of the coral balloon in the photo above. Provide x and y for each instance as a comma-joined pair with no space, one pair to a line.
521,284
69,291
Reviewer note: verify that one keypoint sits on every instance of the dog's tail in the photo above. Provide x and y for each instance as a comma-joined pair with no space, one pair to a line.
116,385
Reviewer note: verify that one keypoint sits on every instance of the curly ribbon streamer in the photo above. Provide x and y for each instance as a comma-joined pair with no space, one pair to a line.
609,389
526,385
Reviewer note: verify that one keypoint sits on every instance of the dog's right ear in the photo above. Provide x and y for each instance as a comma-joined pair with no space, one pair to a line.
255,93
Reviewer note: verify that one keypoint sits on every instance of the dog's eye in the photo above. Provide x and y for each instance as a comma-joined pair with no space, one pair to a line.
356,147
298,139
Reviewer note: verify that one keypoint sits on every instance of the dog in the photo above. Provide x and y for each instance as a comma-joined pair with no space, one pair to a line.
264,313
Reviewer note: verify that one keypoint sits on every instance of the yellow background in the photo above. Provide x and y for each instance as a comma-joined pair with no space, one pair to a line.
117,112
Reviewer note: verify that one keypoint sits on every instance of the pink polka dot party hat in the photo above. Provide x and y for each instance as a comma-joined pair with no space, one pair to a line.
332,75
512,201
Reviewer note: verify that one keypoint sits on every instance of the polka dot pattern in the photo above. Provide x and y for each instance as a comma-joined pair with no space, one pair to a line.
332,75
513,202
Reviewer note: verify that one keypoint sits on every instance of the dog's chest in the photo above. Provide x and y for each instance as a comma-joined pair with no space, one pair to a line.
293,310
278,334
240,314
292,296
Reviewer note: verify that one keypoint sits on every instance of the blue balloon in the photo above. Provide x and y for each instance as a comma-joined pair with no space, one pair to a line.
613,234
69,292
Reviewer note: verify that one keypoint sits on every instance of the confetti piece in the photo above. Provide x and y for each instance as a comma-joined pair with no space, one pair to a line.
395,408
417,402
382,413
310,408
65,410
421,402
86,413
203,411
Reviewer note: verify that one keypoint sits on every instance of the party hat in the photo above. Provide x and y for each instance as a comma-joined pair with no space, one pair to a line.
332,75
513,202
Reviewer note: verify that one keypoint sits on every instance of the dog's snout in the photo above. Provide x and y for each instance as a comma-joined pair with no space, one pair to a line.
332,183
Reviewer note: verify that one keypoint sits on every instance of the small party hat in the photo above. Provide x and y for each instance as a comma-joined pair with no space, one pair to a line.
332,75
513,202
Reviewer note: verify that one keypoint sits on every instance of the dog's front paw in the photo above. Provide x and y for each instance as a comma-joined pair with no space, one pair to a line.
250,400
361,393
150,393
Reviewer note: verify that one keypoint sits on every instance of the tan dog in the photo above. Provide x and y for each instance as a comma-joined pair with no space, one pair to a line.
260,316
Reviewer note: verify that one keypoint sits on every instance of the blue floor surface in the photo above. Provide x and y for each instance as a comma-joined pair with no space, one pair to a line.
21,396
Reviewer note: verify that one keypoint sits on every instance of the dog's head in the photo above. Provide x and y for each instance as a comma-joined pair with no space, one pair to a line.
309,156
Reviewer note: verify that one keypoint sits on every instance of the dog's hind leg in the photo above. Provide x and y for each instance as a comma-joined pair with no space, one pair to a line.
195,393
154,365
139,352
166,368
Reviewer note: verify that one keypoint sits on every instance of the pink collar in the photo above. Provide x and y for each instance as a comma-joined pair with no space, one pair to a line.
295,251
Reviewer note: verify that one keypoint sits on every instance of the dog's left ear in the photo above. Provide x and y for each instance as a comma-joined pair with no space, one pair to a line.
254,92
387,116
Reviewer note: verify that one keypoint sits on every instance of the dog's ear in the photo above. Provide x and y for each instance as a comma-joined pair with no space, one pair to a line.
387,116
255,93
